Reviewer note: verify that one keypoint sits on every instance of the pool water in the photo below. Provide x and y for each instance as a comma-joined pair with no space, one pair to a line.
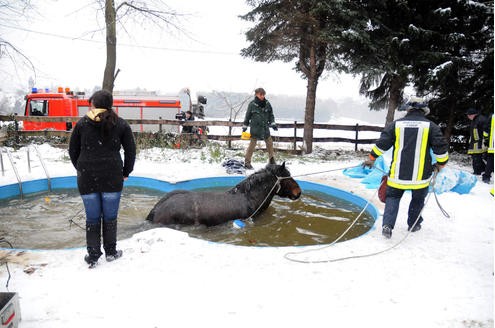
43,220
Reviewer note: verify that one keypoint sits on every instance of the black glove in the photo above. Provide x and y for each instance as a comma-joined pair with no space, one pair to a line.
274,126
244,128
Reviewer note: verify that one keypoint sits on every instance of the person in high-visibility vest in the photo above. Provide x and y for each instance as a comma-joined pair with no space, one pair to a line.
414,139
488,134
476,147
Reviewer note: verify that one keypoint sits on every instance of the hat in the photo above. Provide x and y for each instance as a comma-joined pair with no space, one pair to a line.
471,111
415,103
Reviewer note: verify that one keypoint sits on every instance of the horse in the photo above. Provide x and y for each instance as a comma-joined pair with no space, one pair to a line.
247,199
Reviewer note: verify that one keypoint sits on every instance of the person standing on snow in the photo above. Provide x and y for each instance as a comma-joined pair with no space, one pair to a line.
412,137
94,150
476,146
259,117
488,134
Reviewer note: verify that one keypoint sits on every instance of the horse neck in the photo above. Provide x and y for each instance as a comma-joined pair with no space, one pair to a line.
261,194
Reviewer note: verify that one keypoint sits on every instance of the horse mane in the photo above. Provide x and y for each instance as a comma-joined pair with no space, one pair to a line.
255,179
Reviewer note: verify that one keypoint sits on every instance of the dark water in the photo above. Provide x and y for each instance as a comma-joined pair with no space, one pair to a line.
41,221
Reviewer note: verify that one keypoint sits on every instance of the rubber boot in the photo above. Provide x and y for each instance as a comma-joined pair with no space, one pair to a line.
93,243
110,240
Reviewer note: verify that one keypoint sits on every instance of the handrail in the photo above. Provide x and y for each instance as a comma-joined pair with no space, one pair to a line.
16,173
44,168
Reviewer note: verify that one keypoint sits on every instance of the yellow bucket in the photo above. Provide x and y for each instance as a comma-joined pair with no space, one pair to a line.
245,135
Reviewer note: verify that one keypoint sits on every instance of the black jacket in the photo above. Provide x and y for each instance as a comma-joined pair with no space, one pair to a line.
412,137
476,135
97,159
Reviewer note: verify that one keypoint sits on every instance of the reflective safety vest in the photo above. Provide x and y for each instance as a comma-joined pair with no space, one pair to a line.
488,133
476,145
414,139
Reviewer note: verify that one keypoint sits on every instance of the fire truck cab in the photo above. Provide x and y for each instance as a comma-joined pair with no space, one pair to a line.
67,103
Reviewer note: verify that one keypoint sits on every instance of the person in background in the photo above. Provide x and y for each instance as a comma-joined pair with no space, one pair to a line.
488,134
259,117
189,117
94,150
476,147
412,137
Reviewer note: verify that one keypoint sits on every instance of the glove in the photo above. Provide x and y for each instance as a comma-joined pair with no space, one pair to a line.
369,163
274,127
244,128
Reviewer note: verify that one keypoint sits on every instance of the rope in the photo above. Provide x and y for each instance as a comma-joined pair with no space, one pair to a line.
72,222
287,255
3,240
277,183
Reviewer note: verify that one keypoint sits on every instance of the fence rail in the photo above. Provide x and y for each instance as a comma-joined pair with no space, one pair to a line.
294,139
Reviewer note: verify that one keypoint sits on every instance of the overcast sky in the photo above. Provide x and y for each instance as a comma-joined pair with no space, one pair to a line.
64,41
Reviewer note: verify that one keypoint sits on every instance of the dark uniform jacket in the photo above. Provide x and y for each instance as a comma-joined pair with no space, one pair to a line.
259,117
97,159
476,135
488,134
412,137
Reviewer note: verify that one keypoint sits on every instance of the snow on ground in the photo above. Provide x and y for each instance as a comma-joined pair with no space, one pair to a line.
441,276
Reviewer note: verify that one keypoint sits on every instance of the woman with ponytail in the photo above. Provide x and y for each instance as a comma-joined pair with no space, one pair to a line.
94,150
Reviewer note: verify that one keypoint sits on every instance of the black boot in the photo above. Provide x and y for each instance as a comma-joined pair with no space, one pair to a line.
110,240
93,243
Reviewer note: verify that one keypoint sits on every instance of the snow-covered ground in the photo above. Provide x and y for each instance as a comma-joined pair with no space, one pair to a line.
441,276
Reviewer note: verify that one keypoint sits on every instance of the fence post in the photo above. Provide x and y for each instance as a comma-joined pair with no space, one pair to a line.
160,125
229,142
295,136
357,137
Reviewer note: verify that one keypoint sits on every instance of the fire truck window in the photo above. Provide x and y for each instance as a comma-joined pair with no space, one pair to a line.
38,107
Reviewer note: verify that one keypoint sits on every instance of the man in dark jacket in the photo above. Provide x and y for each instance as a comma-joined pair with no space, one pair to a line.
412,138
476,148
94,150
259,117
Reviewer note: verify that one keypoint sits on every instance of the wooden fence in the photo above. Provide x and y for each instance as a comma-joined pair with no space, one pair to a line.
229,137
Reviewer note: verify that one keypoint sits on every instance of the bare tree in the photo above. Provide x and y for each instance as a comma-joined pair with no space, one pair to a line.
9,11
152,11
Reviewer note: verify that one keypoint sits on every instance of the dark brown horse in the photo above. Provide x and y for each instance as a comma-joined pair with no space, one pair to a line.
247,199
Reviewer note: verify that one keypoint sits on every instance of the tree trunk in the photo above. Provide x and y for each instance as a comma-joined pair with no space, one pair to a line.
111,42
309,114
396,86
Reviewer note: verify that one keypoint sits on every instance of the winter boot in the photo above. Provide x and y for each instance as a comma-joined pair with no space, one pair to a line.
93,243
110,240
387,231
272,160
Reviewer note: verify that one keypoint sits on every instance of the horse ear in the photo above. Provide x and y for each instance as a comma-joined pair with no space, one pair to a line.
283,165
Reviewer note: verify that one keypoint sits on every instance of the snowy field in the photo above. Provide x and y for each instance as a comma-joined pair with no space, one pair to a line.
441,276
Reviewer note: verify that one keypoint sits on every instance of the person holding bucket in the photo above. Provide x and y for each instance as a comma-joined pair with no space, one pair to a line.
259,117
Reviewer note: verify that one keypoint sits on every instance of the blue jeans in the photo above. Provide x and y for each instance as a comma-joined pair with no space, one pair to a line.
101,205
392,203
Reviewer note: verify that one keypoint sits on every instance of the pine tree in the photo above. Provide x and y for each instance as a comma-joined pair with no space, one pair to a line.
300,31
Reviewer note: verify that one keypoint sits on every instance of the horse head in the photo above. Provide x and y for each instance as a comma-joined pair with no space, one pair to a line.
288,187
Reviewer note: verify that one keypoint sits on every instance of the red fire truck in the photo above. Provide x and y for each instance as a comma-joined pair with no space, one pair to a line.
65,102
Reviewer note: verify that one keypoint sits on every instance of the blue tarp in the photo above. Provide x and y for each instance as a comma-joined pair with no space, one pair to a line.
448,179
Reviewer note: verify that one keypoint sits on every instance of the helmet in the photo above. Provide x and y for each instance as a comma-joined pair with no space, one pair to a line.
245,135
415,103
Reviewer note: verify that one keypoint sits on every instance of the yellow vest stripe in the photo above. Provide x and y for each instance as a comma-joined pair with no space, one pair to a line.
422,155
395,159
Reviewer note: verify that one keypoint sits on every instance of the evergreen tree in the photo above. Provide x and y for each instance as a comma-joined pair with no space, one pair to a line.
455,61
295,30
376,46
